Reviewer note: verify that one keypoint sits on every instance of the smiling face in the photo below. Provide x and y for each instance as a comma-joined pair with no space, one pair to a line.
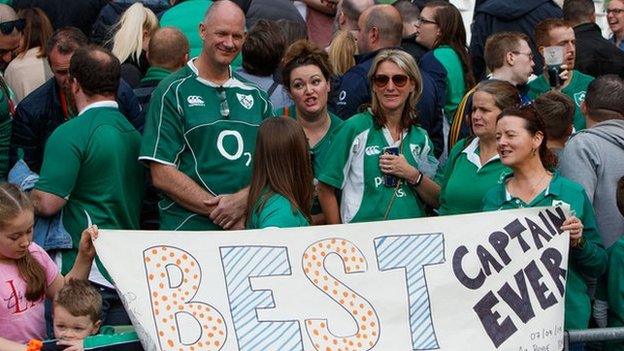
309,90
391,96
16,236
427,31
615,16
515,143
484,113
68,327
223,33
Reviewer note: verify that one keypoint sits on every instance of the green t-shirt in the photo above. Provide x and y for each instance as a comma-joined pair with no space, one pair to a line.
589,261
276,211
188,126
455,84
614,288
352,165
110,336
575,90
91,162
319,151
464,181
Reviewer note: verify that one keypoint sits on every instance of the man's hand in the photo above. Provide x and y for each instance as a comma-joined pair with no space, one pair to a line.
229,210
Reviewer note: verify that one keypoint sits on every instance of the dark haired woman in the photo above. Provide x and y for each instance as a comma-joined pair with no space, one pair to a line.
522,146
306,74
281,188
473,166
377,156
440,28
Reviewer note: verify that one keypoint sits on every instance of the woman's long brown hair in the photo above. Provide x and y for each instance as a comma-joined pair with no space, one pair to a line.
281,165
12,203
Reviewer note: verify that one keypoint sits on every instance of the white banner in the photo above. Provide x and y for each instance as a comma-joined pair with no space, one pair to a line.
487,281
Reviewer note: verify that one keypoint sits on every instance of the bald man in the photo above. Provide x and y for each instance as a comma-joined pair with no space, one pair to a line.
10,35
201,129
348,12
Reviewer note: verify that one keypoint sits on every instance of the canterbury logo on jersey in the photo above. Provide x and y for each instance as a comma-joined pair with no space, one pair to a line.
195,100
246,100
372,150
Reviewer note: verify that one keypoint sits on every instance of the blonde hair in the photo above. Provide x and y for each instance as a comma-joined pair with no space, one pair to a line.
128,38
341,51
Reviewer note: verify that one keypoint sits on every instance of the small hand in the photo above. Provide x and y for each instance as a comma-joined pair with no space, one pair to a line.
86,246
396,165
72,345
575,228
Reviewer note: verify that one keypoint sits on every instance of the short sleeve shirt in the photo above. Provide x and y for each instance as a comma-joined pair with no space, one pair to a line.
276,211
352,165
576,91
464,181
91,162
207,132
20,319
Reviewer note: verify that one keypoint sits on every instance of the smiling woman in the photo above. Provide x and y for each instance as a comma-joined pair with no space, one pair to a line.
378,156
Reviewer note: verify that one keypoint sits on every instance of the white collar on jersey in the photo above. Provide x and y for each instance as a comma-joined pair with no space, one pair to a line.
106,103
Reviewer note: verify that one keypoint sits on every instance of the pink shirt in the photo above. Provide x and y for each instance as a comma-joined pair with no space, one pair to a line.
20,319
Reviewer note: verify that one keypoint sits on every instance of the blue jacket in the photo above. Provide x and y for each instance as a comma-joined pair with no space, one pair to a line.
492,16
40,113
355,91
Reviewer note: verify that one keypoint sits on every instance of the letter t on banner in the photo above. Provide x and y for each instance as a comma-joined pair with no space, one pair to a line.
412,253
172,295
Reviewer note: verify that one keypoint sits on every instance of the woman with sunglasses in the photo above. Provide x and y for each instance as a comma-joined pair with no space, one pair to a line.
377,156
440,28
522,146
473,166
280,194
306,74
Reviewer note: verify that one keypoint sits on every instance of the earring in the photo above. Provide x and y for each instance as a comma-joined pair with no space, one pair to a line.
533,151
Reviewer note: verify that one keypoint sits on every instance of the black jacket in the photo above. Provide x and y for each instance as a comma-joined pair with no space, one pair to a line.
40,113
62,13
596,55
492,16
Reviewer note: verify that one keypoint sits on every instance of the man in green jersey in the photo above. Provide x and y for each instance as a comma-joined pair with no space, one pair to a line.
556,32
89,166
201,130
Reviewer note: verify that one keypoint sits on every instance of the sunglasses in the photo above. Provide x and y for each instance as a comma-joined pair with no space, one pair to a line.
224,108
381,80
7,27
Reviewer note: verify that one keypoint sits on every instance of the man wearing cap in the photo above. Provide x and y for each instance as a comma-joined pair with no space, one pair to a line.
594,157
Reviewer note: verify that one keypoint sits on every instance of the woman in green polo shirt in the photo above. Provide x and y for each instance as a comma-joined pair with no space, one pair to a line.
473,166
280,194
306,73
375,184
522,141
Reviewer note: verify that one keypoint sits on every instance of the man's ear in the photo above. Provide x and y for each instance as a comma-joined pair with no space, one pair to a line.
373,35
510,58
96,327
584,108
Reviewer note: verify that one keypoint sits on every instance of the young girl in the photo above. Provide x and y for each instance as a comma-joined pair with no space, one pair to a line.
27,274
281,188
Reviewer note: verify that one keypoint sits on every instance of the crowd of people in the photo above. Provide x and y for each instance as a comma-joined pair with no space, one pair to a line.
246,114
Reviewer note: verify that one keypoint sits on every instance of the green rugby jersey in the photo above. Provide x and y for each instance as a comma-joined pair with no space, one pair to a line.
318,152
590,260
576,91
276,211
464,181
207,132
352,164
455,84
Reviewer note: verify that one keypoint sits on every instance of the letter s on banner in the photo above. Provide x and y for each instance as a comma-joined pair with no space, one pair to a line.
360,310
169,299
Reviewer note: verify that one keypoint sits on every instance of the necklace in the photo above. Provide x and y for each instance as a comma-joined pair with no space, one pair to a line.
535,188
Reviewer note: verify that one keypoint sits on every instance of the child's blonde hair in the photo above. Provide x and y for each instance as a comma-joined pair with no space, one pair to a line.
341,52
80,298
128,39
12,203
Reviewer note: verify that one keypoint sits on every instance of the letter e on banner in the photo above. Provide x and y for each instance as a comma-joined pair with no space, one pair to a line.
360,310
172,294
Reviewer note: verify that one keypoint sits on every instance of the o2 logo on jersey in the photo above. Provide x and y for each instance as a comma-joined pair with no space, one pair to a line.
240,146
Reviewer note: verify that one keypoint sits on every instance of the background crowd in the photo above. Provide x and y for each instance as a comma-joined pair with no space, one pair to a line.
247,114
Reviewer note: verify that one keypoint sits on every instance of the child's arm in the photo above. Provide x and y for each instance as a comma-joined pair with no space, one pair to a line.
82,266
7,345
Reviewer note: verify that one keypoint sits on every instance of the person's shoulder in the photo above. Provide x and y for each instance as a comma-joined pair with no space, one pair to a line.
174,78
583,78
359,122
35,99
569,186
237,81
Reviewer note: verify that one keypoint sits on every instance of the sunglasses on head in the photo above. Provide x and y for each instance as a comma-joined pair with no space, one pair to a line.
381,80
7,27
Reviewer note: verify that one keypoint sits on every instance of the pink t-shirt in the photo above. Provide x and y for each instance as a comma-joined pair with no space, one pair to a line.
20,319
